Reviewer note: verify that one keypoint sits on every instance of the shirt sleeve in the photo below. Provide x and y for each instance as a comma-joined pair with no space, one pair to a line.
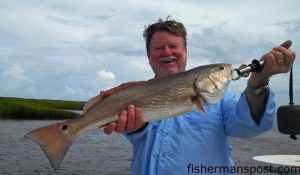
131,136
237,119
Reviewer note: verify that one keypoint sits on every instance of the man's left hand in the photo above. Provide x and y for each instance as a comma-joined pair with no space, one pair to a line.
279,60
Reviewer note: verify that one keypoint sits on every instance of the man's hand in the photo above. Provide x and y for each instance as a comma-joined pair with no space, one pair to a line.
279,60
130,119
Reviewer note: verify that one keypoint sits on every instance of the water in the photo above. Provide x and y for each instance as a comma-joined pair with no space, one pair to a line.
269,143
97,153
93,152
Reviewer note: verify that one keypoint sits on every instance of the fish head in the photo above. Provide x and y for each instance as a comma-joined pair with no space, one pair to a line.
212,82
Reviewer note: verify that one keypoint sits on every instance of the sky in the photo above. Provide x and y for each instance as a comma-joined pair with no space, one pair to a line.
70,50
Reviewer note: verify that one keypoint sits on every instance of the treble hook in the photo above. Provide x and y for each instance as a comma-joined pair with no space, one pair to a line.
245,70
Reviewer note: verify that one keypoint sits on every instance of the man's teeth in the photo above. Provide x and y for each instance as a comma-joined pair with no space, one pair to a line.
167,60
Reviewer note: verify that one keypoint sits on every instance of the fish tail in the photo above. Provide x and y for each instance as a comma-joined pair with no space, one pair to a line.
55,140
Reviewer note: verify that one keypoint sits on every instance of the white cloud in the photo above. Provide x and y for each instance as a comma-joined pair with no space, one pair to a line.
77,93
15,82
15,78
106,75
52,49
74,91
49,24
15,72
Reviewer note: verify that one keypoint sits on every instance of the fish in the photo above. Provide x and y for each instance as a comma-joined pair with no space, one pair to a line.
158,98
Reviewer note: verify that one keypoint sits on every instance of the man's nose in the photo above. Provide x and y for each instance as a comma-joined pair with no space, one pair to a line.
167,50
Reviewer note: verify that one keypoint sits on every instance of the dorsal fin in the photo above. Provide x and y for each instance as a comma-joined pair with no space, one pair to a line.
91,102
103,94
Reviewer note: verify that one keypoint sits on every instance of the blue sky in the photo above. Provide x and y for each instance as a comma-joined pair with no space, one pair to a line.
70,50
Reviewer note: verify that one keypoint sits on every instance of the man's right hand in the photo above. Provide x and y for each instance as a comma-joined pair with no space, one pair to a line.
130,119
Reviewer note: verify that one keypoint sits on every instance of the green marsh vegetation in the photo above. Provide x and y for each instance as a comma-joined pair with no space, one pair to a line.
39,109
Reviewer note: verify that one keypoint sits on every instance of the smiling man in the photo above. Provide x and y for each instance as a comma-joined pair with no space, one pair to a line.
194,141
167,52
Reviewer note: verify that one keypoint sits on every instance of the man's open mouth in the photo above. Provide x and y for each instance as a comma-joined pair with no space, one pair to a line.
167,60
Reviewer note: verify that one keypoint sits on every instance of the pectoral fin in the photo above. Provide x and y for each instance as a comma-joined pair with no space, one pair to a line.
198,103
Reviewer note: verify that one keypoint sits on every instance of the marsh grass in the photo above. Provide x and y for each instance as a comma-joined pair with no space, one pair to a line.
19,108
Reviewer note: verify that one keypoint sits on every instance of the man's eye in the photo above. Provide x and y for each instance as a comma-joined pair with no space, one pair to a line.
173,46
158,48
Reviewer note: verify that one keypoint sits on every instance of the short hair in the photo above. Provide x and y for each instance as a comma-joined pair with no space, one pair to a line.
169,25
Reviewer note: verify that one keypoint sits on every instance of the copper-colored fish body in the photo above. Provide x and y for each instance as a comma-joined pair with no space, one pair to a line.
157,98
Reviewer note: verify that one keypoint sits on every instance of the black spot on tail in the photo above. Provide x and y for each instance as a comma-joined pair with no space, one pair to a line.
65,127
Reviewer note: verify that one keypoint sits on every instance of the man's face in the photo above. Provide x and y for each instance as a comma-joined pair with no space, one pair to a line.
167,54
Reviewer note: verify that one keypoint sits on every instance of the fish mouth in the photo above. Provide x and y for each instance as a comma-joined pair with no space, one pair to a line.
167,60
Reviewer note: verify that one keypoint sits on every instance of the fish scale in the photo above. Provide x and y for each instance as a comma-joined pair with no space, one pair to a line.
157,98
161,106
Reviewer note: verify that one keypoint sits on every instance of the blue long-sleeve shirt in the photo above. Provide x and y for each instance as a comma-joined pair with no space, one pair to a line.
192,142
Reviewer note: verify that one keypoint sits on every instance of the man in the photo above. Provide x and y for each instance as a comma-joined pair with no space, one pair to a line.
193,142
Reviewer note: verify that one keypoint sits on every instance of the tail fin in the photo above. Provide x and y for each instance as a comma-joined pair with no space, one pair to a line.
55,140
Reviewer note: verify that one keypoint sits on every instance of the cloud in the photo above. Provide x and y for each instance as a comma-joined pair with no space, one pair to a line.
75,93
211,45
102,81
14,80
106,75
291,26
67,50
15,72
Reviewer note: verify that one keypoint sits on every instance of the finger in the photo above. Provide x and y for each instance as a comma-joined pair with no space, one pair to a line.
294,54
278,56
104,94
286,52
130,118
110,128
111,91
138,119
268,67
128,84
287,44
288,55
121,123
269,58
281,63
